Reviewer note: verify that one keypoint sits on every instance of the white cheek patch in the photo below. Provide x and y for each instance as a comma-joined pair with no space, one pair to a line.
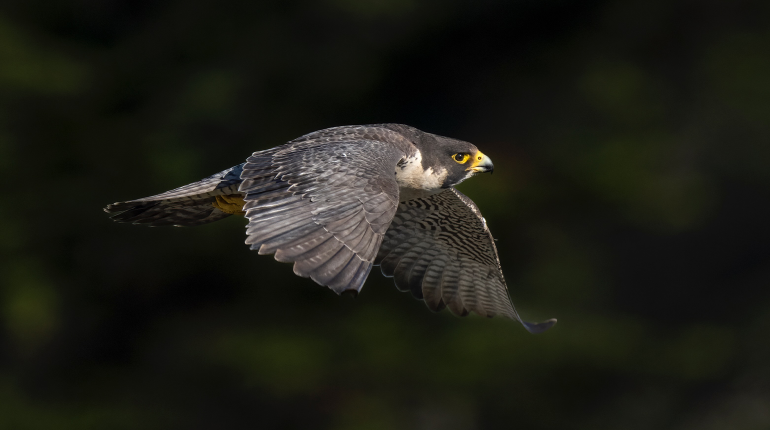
414,181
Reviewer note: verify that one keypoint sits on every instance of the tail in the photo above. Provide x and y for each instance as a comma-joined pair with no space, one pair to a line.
205,201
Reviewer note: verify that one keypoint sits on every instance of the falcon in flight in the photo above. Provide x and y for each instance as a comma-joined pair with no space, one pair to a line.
338,201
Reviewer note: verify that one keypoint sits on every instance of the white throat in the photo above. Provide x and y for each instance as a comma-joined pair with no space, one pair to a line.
414,181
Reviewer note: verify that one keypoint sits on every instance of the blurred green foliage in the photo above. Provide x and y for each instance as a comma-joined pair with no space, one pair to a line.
630,200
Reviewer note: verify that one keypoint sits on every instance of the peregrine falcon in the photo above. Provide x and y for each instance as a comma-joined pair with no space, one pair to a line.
338,201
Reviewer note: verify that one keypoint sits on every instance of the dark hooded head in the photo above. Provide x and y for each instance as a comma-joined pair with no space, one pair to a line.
458,158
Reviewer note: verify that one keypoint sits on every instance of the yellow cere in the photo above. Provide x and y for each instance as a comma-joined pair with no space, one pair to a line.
230,204
477,159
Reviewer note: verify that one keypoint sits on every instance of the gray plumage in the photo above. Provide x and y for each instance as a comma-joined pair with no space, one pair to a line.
338,201
186,206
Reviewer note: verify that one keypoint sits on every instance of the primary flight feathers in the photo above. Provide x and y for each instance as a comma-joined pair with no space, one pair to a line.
338,201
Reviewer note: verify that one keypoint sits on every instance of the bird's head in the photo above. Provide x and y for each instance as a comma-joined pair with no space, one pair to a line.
460,159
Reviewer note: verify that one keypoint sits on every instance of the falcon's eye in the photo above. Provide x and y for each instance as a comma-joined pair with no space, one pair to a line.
461,158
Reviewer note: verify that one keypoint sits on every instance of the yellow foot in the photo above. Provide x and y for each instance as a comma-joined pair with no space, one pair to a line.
232,204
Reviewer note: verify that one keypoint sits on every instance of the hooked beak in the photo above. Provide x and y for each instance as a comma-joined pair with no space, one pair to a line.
481,163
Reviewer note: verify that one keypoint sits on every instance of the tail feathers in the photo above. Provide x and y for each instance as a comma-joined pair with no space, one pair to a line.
157,213
221,183
201,202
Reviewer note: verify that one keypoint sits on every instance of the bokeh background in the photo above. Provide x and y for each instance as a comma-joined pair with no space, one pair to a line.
631,140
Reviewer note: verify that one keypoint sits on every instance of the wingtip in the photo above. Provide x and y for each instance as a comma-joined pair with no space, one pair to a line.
536,328
113,207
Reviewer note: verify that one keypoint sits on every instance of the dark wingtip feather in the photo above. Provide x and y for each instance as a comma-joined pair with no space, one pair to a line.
536,328
117,207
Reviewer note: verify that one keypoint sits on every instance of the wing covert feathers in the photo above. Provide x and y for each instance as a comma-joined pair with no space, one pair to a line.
441,250
324,202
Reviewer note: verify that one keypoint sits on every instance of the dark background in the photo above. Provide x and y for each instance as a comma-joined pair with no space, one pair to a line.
631,140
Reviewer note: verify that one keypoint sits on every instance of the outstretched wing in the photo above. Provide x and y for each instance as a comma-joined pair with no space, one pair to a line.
325,202
189,205
440,249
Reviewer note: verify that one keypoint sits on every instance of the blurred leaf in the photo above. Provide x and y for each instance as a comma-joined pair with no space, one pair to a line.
29,304
737,67
24,66
623,92
211,94
283,362
642,175
173,163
